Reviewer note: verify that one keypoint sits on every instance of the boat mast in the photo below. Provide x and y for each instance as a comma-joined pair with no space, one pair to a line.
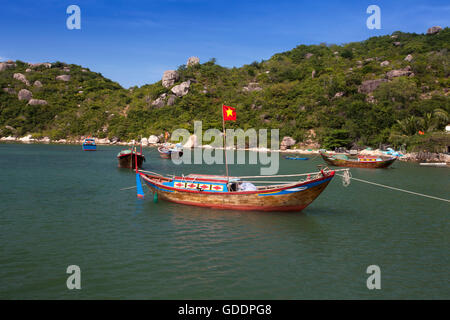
224,142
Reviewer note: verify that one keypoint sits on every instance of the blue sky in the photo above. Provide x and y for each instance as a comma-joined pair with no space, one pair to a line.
134,42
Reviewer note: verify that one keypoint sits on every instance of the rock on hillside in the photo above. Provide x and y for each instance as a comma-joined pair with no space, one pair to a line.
370,85
24,94
192,61
252,86
37,102
64,77
45,64
169,78
399,73
181,89
21,77
160,101
7,65
287,142
434,30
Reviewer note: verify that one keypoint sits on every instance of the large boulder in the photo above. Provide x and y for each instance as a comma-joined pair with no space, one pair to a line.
384,63
64,77
287,142
37,102
192,61
7,65
37,84
171,100
144,142
370,85
45,64
160,101
27,139
399,73
24,94
252,86
169,78
103,141
433,30
21,77
182,89
408,58
153,139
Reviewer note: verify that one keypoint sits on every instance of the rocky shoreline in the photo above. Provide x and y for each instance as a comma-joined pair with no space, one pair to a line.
418,157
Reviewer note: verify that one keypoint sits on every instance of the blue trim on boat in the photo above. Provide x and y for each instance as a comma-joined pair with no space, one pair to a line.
295,189
295,158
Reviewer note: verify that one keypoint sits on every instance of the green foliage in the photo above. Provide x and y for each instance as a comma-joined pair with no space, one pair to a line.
308,87
336,138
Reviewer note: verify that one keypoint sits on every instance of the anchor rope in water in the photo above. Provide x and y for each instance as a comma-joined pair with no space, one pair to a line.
393,188
127,188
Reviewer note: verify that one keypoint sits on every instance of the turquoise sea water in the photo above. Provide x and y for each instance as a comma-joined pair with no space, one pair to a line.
61,206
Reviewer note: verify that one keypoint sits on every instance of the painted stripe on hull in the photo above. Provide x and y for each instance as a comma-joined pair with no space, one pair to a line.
242,208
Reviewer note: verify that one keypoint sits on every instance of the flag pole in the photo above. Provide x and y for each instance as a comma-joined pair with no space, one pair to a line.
224,143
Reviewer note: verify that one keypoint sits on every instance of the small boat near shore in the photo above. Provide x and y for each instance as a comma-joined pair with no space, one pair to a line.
128,157
236,193
434,164
361,161
168,152
89,145
295,158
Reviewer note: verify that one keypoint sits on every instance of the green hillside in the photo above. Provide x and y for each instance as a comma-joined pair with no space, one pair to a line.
321,87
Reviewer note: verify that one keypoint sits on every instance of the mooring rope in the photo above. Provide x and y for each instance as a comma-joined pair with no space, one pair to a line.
393,188
127,188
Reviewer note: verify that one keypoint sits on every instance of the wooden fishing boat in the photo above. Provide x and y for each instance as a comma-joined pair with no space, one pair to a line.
372,162
236,194
169,153
127,159
89,144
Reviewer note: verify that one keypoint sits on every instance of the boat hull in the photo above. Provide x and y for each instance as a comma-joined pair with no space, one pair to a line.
293,198
164,155
129,161
169,154
357,164
89,147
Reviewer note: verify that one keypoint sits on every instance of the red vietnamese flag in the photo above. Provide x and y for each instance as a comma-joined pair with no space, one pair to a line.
229,113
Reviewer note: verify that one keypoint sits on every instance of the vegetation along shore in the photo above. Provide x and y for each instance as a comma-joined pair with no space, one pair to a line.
388,90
